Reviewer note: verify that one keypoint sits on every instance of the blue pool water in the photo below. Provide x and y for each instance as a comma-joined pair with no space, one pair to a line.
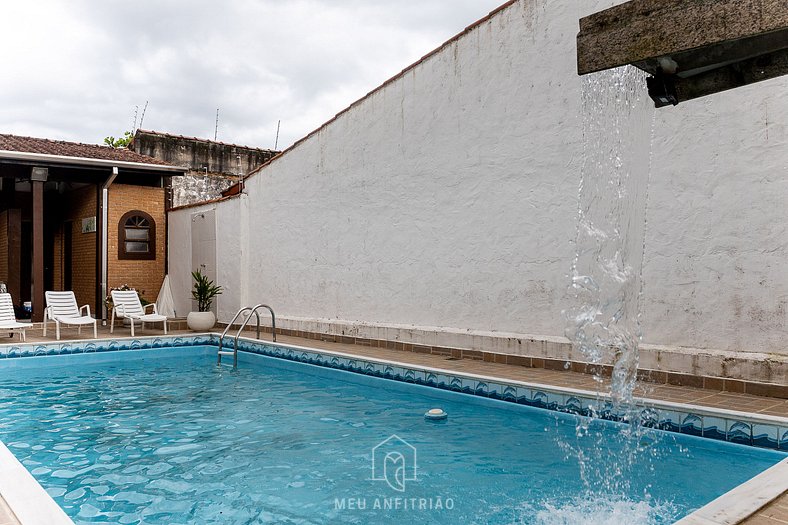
166,436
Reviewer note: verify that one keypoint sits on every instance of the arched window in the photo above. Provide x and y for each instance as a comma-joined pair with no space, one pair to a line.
136,236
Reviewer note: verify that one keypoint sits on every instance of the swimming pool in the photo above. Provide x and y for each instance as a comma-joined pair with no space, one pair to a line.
166,436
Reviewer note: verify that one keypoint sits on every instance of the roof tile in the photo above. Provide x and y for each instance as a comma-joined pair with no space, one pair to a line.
73,149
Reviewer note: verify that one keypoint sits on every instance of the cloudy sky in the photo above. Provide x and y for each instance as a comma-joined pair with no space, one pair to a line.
76,69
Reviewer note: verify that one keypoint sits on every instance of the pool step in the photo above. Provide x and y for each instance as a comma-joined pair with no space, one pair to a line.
227,353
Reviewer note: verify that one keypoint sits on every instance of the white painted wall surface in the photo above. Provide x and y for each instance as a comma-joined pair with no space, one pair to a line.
228,257
447,198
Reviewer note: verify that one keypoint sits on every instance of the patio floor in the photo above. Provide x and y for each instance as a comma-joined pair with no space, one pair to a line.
775,513
7,517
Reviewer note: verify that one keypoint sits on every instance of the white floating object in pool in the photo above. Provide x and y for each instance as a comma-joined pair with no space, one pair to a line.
436,414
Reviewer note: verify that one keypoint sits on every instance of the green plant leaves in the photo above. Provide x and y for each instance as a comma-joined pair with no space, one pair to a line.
204,290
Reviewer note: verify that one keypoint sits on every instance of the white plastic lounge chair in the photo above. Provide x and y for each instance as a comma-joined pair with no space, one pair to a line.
127,304
8,317
62,308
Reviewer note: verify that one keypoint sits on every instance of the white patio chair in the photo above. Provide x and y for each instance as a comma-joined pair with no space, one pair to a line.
62,308
8,320
127,304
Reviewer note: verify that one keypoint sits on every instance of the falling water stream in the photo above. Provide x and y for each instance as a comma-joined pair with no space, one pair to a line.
604,303
603,321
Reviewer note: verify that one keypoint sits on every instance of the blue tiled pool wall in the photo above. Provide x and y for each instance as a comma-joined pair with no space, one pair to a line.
99,345
737,431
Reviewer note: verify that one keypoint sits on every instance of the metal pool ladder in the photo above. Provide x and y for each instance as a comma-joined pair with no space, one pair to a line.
251,310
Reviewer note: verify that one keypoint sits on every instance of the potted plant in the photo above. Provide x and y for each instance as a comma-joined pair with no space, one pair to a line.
203,292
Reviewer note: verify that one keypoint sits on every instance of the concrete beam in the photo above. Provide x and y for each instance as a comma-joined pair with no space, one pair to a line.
693,47
643,31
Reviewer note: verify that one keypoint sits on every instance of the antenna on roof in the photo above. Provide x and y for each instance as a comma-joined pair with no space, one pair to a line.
216,129
276,143
143,113
134,124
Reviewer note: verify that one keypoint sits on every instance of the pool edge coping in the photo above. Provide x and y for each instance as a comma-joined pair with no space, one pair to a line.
24,495
744,500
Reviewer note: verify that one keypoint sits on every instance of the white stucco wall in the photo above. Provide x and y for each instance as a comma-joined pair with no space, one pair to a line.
228,257
447,198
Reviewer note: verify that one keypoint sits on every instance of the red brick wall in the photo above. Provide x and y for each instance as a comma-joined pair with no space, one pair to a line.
145,276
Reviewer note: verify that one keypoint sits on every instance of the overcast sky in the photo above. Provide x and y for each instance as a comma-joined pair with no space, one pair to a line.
76,69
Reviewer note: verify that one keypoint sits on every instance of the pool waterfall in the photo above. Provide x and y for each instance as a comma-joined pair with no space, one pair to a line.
603,321
605,289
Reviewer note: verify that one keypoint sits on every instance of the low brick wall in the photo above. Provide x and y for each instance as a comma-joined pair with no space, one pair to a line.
740,372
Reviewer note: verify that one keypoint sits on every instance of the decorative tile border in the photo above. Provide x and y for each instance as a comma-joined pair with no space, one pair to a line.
103,345
724,425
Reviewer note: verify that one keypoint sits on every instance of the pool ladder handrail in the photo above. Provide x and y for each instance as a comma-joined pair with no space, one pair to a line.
230,324
252,310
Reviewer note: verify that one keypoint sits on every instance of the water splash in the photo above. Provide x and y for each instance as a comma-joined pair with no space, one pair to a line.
607,510
587,509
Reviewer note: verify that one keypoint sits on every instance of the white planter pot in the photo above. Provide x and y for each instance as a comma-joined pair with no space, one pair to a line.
200,321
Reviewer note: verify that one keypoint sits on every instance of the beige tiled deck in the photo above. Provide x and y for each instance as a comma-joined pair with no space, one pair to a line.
7,516
772,514
775,513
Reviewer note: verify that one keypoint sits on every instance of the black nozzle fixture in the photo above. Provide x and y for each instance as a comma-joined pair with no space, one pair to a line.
662,89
